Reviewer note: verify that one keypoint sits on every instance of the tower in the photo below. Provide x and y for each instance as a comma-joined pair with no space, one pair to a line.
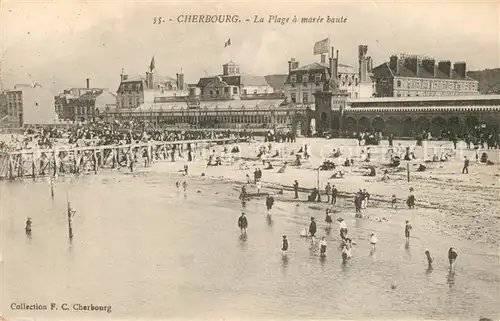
363,61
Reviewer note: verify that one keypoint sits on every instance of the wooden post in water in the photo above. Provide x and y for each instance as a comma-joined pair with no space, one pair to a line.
33,165
96,164
11,168
52,193
70,218
54,154
408,171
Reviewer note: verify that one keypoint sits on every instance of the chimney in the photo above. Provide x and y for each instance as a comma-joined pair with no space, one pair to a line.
394,64
445,67
323,58
292,64
460,69
435,71
88,83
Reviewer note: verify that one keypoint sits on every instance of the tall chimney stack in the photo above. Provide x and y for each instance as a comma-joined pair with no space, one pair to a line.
88,83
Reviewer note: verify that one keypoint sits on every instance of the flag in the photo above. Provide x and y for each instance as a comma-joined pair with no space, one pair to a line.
228,43
321,47
152,64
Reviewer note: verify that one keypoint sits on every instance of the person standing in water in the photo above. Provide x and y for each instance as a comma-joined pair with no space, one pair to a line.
177,184
394,201
429,259
322,245
373,240
328,191
184,185
284,246
328,218
269,203
407,231
465,170
343,229
28,226
243,223
258,185
312,228
345,254
452,256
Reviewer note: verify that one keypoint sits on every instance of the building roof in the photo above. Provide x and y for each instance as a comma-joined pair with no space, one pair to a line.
426,98
232,80
385,71
320,65
224,104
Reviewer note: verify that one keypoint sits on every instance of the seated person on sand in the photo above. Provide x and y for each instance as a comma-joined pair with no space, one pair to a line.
385,177
235,149
444,157
362,157
337,153
283,168
269,166
372,172
435,158
421,168
395,161
277,154
347,162
484,158
338,174
297,160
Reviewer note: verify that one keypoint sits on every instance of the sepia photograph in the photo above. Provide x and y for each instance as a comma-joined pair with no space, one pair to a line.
258,160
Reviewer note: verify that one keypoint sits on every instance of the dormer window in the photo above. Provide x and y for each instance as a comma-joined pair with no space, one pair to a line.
305,78
293,79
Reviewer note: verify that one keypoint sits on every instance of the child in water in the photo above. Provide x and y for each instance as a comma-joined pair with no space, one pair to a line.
322,244
28,225
407,231
328,218
284,247
373,240
452,256
345,253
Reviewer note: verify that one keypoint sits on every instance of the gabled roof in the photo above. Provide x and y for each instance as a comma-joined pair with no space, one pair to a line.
233,80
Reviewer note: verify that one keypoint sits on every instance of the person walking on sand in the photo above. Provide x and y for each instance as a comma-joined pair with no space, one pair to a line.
465,170
452,256
296,189
328,190
322,246
335,192
312,228
284,246
407,231
243,223
373,241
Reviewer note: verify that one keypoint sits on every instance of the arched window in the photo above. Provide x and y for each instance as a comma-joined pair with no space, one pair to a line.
398,83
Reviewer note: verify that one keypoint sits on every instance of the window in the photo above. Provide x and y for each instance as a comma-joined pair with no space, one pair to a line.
317,79
137,102
217,92
211,93
293,97
226,90
398,84
255,91
130,102
293,79
305,98
305,78
235,90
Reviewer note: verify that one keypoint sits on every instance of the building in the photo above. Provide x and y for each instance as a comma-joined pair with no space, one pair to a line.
29,105
135,92
3,104
91,105
303,82
69,106
232,84
412,75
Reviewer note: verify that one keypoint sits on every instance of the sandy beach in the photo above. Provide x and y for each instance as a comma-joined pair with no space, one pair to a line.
448,202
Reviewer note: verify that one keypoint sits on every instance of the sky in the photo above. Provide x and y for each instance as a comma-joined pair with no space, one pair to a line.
61,43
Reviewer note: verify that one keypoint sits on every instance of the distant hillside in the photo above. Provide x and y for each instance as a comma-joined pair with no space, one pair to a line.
489,80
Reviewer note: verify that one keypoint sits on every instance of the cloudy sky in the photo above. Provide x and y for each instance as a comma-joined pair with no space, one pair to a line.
61,43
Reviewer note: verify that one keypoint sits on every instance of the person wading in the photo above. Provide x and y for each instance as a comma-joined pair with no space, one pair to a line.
269,203
452,256
312,228
284,247
335,192
296,189
243,223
